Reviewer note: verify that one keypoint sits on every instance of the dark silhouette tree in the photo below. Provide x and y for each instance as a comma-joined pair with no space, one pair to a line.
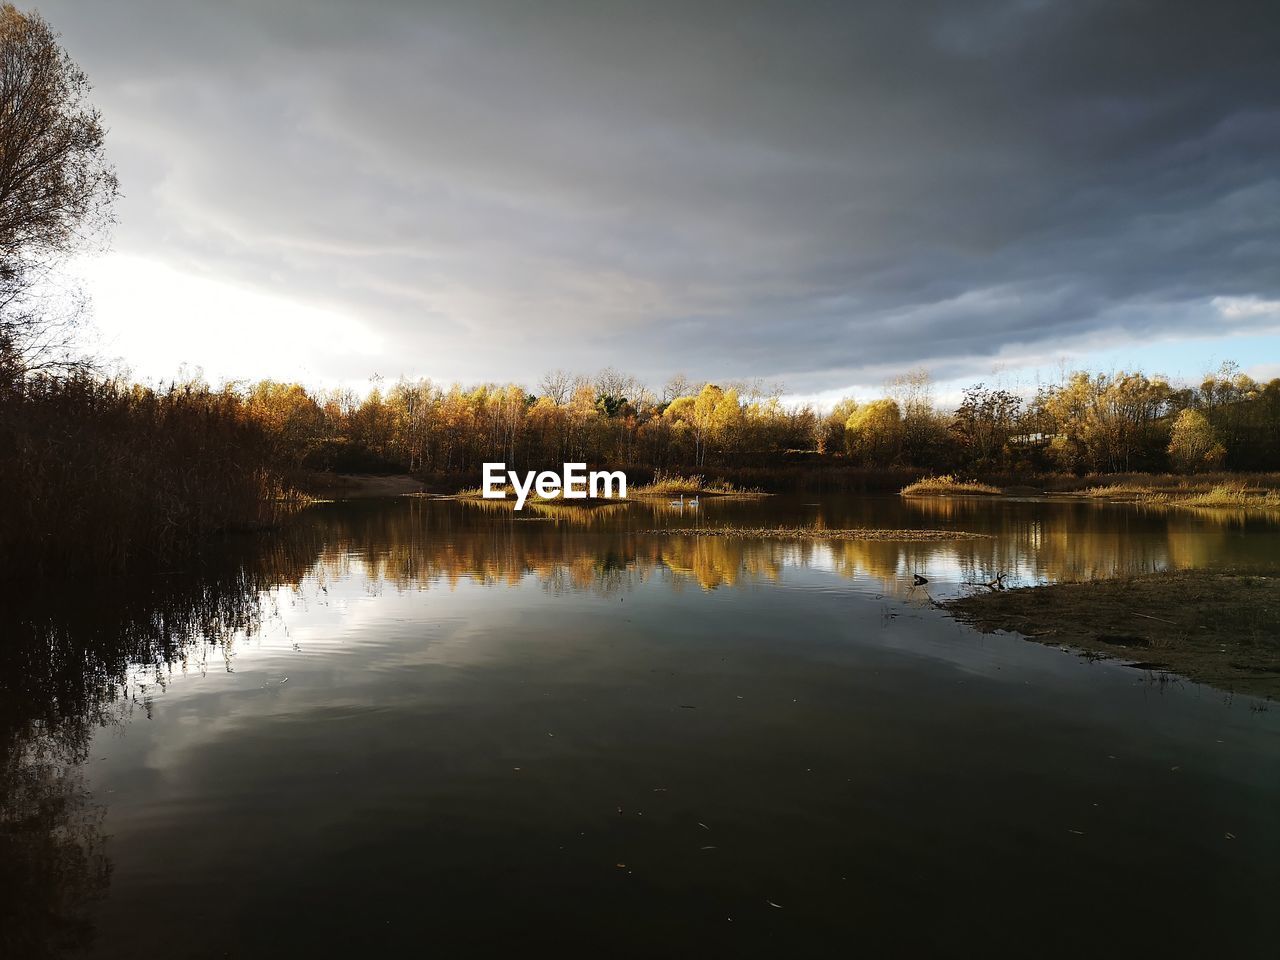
56,186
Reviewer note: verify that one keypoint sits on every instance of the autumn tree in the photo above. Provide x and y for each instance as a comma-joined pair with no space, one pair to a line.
290,417
1193,444
873,433
581,422
710,419
923,431
414,406
830,430
505,409
984,423
1106,422
56,187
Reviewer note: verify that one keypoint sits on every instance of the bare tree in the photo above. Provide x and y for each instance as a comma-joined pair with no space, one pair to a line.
56,187
557,386
611,383
677,386
912,390
756,389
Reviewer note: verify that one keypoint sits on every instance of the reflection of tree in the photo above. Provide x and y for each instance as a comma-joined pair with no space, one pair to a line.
720,561
51,861
64,668
416,544
1074,540
67,663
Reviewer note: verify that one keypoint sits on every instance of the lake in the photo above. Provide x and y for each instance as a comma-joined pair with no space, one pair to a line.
410,726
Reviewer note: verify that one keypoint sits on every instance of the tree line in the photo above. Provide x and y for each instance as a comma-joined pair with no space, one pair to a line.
1089,422
104,468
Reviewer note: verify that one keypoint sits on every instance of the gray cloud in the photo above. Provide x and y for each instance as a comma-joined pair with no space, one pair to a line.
740,189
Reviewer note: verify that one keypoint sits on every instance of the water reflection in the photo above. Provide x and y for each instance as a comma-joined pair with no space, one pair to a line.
51,860
85,659
424,542
1074,540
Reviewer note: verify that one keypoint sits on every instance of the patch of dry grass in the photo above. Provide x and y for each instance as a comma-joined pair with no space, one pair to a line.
672,485
1231,495
1190,492
1130,491
949,485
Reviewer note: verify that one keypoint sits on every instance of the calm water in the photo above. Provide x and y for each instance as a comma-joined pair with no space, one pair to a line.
414,727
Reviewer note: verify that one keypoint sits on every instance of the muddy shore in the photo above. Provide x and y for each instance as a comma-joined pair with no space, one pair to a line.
1222,629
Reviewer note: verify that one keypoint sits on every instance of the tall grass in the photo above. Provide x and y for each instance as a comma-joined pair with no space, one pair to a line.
1208,490
672,484
1136,484
99,475
1228,495
947,484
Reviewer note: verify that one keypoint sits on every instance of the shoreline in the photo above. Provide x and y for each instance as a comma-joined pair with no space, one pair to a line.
355,486
1213,627
1217,491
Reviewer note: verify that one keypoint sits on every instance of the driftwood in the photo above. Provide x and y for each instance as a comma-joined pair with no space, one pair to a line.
996,584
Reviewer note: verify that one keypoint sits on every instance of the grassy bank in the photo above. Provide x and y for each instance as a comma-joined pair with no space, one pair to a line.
1247,491
1210,490
1222,629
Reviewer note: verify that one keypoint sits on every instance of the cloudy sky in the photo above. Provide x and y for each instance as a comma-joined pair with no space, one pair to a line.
817,194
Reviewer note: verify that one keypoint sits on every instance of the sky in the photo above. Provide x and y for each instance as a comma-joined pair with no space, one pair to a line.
820,195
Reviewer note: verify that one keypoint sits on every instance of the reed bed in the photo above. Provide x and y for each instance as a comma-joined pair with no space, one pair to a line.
100,475
1155,482
477,493
1190,492
671,485
1232,495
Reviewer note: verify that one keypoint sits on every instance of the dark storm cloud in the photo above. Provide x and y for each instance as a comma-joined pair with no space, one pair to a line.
797,190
